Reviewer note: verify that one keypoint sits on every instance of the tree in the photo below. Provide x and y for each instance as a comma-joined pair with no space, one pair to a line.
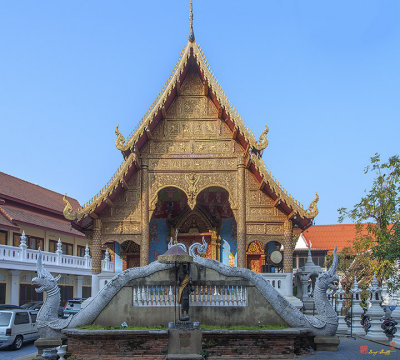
377,219
379,210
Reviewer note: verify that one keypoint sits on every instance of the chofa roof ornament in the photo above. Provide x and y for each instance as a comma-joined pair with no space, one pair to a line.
313,208
120,141
262,140
68,211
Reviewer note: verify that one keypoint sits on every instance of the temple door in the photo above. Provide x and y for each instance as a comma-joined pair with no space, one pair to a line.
133,260
255,256
254,263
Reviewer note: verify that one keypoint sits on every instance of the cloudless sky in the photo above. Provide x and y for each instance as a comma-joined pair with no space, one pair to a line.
324,76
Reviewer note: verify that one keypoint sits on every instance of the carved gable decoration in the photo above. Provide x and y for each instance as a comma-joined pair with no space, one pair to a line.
191,138
194,222
255,248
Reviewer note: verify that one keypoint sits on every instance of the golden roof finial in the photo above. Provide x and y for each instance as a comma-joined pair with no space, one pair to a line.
120,141
68,212
313,208
191,32
262,141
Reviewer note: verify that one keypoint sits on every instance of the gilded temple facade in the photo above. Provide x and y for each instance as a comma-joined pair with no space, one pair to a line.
192,168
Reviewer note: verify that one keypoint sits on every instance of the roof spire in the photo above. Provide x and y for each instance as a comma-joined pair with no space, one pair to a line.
191,32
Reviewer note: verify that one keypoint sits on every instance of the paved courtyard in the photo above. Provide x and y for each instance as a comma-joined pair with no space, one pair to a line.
28,349
355,349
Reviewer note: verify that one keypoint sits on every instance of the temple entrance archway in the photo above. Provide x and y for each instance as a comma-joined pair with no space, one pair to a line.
171,204
129,254
214,203
211,217
124,256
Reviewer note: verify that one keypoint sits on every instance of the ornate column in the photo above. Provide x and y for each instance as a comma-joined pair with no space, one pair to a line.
214,245
288,244
219,248
96,247
144,247
241,219
262,262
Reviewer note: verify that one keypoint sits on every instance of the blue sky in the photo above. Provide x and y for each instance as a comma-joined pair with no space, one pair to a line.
324,76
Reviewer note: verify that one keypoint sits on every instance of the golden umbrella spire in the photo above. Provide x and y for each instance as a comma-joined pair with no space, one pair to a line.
191,32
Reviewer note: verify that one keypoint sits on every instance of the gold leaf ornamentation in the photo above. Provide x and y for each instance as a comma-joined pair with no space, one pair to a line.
262,140
313,208
120,141
192,179
69,212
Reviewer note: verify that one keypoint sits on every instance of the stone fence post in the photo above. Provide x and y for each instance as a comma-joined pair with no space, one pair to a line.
59,252
87,257
23,246
357,310
375,312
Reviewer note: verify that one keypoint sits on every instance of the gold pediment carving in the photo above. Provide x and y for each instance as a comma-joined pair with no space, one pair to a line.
192,184
121,227
193,125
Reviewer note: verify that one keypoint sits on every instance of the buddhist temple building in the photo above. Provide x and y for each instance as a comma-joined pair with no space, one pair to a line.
192,168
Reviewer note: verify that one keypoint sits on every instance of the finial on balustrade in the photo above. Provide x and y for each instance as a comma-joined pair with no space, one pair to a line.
22,243
59,247
107,255
87,251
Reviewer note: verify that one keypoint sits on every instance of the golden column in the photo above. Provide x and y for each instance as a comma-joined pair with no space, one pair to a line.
288,244
96,247
241,220
144,247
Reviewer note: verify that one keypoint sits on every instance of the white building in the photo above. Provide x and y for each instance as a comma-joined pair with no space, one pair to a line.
38,213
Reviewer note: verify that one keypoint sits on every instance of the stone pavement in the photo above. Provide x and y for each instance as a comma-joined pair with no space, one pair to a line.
355,349
28,357
27,352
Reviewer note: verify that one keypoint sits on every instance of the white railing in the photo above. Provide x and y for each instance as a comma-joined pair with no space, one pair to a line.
281,282
9,252
203,295
13,255
106,265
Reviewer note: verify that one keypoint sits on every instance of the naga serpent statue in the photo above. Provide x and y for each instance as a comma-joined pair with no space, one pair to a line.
323,324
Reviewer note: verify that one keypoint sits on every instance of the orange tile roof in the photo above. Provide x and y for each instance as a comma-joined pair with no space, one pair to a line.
24,216
6,222
30,194
327,236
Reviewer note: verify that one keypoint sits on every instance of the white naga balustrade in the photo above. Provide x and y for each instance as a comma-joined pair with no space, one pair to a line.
22,258
281,282
203,295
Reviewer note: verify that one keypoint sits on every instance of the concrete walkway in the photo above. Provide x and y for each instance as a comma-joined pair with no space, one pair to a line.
27,357
355,349
27,352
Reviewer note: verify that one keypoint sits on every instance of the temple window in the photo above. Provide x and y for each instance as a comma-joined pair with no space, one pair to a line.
80,251
3,237
32,242
67,249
